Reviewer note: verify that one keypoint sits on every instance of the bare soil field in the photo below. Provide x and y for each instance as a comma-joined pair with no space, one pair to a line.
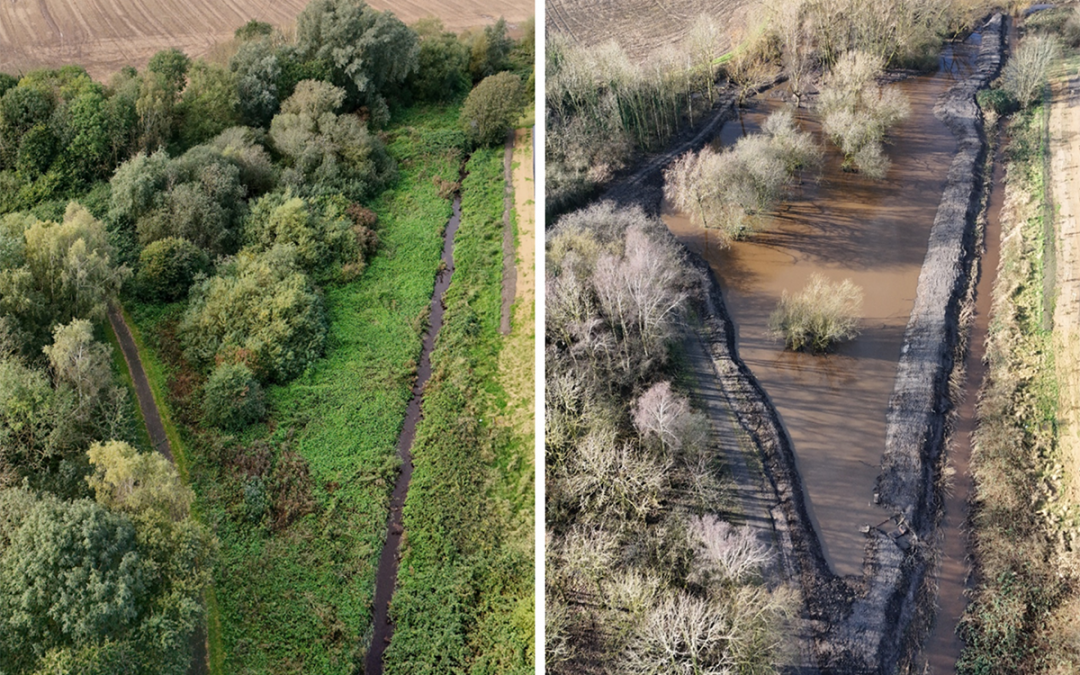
105,35
641,27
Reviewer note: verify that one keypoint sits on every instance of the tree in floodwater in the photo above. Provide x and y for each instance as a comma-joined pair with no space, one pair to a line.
731,189
857,112
819,316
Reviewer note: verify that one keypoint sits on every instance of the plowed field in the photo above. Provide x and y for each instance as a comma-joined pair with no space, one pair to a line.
639,26
105,35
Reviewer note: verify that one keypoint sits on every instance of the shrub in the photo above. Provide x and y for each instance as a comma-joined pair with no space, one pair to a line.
491,108
262,303
1025,72
998,100
728,190
168,267
819,316
232,398
857,112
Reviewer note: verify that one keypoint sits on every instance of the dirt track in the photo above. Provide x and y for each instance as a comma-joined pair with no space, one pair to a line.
517,357
105,35
142,385
1065,172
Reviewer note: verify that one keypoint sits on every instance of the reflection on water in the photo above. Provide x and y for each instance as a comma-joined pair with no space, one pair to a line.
842,226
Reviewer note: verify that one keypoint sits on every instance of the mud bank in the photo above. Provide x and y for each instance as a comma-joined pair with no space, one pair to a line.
872,625
879,630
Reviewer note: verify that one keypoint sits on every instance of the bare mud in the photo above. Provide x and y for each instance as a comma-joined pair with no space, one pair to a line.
386,574
844,226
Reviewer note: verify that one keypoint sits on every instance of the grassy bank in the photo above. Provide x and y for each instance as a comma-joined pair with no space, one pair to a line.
464,595
299,503
1024,608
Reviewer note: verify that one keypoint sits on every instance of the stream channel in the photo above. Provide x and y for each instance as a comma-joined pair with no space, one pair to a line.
386,575
833,407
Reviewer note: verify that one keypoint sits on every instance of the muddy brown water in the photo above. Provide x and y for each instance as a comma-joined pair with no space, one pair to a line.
843,226
943,646
386,575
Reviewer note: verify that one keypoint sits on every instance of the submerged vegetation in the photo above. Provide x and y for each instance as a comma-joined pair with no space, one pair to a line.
730,190
644,573
603,109
819,316
272,228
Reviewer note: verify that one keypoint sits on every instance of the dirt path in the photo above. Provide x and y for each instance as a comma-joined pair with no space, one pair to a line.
1065,178
143,393
160,441
509,278
517,362
1065,169
728,440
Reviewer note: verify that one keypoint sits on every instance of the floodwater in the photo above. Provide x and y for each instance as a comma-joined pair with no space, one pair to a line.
386,575
843,226
943,646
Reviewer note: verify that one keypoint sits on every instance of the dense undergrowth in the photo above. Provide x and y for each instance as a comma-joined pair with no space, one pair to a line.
645,573
1024,608
464,599
297,598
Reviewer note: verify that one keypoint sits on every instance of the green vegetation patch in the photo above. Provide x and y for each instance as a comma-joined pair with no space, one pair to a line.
464,599
299,503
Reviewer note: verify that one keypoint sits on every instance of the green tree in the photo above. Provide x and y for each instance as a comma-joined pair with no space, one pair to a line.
89,150
198,196
168,267
21,109
492,108
367,50
443,70
258,71
328,152
67,271
232,398
243,147
37,149
80,363
489,50
27,419
172,65
71,574
262,304
165,79
137,483
209,104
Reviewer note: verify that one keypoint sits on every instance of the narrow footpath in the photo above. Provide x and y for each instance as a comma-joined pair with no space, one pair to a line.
509,276
143,393
160,441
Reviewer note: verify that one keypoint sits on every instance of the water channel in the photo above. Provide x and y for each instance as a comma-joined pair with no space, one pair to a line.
844,226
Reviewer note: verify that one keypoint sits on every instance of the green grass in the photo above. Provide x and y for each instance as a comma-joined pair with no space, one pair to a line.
464,597
299,600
